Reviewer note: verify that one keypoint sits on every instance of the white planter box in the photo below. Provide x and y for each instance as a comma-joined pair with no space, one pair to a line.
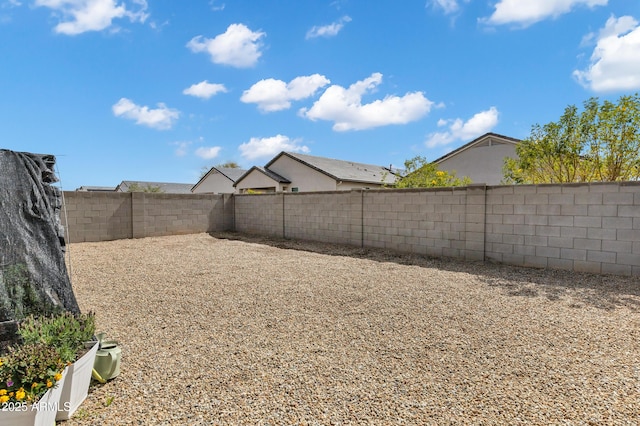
76,385
43,413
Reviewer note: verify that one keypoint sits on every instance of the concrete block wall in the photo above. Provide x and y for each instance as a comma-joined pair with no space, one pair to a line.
103,216
579,227
334,217
157,215
436,222
415,221
261,214
96,216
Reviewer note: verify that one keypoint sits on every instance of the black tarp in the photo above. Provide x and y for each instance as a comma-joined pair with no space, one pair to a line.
33,274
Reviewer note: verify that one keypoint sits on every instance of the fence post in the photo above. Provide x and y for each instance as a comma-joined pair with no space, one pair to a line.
475,214
138,228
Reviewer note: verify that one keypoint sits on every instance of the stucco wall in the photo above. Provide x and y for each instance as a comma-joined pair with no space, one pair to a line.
302,177
215,183
256,180
482,164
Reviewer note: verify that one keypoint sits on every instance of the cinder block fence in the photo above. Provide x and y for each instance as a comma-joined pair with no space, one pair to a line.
103,216
580,227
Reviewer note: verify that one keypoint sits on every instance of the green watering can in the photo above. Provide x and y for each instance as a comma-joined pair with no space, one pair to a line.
107,363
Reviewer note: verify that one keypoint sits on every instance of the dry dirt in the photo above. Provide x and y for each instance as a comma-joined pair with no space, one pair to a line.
236,330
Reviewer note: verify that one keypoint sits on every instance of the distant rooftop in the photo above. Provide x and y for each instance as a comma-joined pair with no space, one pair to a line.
276,177
165,187
233,173
344,170
96,189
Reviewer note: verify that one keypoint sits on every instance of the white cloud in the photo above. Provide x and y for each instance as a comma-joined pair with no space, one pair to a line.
268,147
525,13
330,30
181,147
238,46
447,6
208,153
345,108
80,16
161,118
276,95
216,7
477,125
204,89
8,4
615,62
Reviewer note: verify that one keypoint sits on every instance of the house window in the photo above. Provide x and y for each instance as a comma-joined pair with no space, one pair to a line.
294,189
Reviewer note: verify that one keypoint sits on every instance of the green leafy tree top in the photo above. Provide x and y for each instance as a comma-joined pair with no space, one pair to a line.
136,187
599,144
228,165
419,173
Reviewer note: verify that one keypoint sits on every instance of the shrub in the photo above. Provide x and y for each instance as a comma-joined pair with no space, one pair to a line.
66,332
28,371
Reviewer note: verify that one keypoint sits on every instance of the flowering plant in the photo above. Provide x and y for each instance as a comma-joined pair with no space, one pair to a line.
28,371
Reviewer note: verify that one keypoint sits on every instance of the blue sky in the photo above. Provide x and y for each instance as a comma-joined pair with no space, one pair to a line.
155,90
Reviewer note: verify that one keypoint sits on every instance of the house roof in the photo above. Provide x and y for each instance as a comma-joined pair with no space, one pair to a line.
341,170
274,176
166,187
89,188
231,173
475,142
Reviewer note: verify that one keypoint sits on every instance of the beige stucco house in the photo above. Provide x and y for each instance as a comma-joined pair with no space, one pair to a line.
293,172
218,180
261,180
481,159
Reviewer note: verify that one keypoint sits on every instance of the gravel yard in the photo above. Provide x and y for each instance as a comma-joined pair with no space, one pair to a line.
235,330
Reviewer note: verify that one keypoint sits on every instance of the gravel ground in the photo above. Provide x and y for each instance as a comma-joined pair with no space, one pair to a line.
230,329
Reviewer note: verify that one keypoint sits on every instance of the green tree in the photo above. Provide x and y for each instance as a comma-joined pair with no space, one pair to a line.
599,144
228,165
419,173
136,187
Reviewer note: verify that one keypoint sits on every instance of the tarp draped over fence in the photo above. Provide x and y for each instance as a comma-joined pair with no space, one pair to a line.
33,274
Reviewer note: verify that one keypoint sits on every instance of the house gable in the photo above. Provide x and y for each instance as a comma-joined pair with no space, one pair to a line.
482,159
218,181
260,180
